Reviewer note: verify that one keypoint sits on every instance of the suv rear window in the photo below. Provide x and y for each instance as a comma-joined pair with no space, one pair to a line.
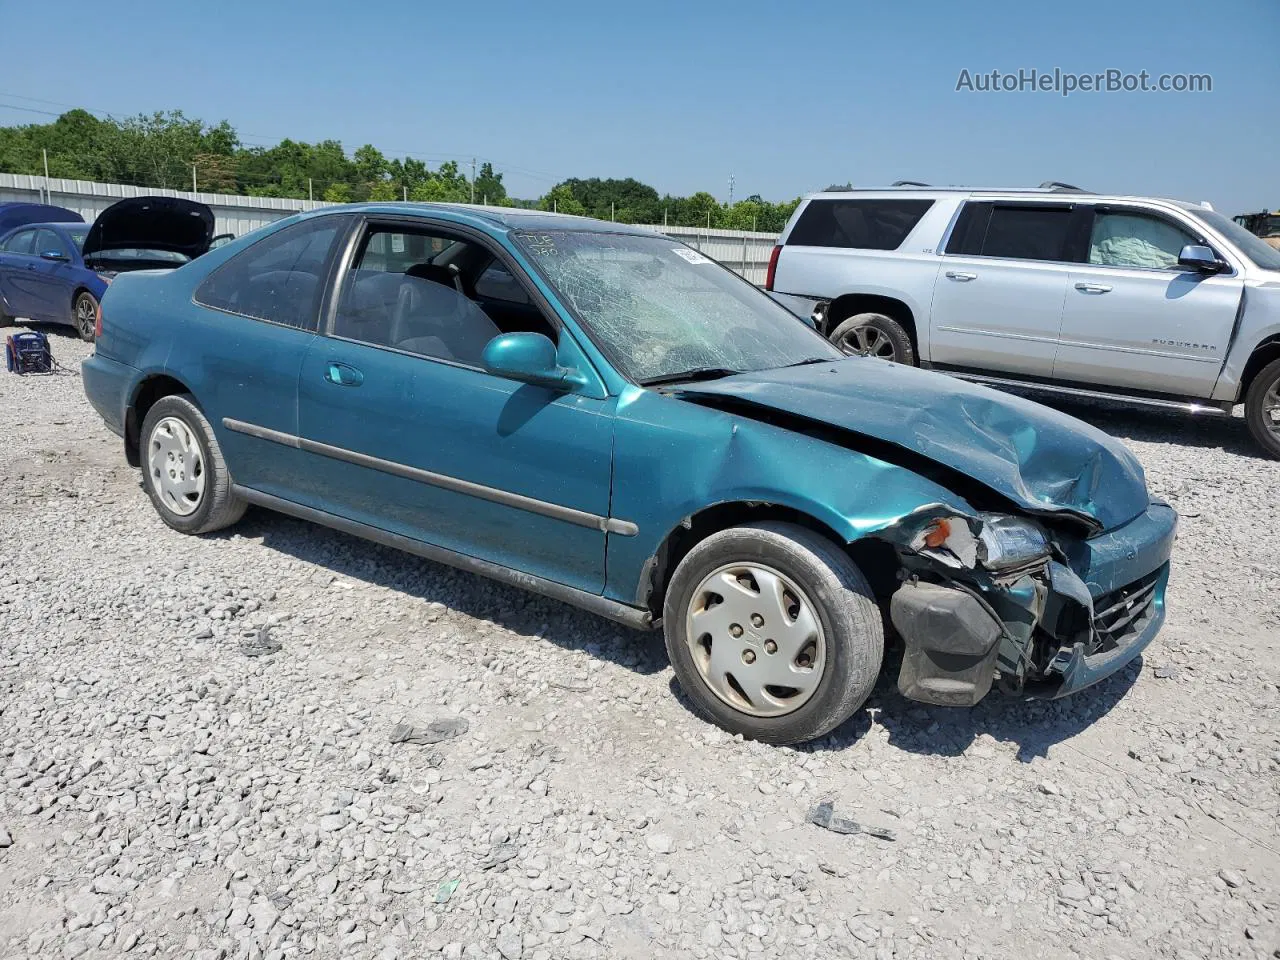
1017,232
857,224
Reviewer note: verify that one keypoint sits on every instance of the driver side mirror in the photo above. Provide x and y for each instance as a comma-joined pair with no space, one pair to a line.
57,256
1203,259
530,358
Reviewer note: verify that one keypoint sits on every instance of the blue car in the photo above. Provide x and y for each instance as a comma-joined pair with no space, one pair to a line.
605,416
54,268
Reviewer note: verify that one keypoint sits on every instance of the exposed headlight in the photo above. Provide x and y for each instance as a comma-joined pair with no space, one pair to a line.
1002,541
1006,541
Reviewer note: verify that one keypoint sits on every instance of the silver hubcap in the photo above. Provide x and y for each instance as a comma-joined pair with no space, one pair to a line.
86,315
755,639
176,465
867,341
1271,409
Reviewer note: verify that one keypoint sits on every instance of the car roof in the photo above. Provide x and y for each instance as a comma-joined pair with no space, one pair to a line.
511,218
52,225
1046,193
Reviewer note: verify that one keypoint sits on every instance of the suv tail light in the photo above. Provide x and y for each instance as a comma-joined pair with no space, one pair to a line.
773,267
97,323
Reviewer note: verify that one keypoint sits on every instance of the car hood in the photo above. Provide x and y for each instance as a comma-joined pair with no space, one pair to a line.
152,223
20,214
1044,461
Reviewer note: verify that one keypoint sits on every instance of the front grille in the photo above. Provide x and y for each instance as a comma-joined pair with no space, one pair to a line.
1122,612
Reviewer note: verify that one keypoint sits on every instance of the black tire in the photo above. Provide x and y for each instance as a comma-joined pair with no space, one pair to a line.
84,315
876,335
1259,406
853,630
218,506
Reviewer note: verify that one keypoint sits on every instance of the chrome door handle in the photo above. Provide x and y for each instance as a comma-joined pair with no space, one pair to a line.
1093,287
960,275
343,374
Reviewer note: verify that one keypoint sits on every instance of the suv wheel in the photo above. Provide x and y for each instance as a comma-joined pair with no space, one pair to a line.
773,632
874,335
182,468
1262,408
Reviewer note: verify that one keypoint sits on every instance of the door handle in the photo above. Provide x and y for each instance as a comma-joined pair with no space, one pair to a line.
342,374
1093,287
960,275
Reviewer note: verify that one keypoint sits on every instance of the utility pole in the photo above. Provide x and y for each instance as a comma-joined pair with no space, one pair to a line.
193,179
406,193
731,189
473,179
611,211
554,205
664,218
311,192
46,174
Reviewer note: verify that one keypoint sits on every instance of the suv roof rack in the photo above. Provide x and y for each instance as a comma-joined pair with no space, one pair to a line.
910,183
1059,187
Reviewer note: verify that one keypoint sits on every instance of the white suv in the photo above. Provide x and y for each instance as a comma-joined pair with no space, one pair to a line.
1156,302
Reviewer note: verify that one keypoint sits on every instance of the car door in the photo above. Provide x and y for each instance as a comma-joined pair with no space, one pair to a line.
242,352
1133,318
408,433
997,298
17,283
51,277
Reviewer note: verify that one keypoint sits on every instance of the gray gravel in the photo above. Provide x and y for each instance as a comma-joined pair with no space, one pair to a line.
173,785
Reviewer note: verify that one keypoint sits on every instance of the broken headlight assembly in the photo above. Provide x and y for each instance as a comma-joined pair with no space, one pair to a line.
998,541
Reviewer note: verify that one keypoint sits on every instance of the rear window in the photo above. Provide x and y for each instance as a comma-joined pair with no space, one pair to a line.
857,224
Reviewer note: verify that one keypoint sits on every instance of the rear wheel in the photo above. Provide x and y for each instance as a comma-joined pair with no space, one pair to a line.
874,335
773,632
1262,408
84,314
182,468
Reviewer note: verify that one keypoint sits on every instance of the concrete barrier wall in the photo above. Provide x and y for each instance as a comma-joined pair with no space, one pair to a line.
745,252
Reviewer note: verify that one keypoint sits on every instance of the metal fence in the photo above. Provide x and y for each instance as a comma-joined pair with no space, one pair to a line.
743,251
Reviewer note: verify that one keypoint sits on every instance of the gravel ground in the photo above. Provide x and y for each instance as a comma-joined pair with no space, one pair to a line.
173,785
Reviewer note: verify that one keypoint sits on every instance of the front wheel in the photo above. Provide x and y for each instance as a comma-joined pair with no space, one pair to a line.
875,335
182,468
84,315
773,632
1262,408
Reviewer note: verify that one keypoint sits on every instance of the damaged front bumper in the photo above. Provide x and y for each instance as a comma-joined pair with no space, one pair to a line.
1047,630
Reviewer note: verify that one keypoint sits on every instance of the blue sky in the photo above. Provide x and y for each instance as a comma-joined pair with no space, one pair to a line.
785,96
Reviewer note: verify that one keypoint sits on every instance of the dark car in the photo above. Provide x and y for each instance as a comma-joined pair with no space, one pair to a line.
604,415
54,268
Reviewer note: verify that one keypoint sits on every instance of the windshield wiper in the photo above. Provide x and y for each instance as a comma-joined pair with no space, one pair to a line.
806,362
688,376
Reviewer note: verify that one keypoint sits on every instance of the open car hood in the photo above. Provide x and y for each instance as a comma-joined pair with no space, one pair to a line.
152,223
1044,461
20,214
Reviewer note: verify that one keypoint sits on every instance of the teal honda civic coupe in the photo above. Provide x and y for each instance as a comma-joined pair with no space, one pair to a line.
602,414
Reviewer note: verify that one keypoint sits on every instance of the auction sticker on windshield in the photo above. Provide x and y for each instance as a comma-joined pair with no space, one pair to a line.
693,256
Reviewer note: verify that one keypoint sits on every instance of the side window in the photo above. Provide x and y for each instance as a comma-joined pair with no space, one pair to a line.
20,242
1030,232
497,283
857,224
48,242
279,278
409,290
1129,239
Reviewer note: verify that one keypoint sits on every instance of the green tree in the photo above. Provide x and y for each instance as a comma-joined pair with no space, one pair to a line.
561,200
338,193
489,186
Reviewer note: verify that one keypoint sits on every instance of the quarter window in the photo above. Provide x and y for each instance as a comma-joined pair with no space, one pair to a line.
410,290
280,278
1125,239
20,242
857,224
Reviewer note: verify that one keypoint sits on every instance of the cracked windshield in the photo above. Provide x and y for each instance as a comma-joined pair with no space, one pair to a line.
664,312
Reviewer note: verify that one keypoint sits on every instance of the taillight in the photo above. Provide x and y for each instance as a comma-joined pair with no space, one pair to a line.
97,323
773,267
